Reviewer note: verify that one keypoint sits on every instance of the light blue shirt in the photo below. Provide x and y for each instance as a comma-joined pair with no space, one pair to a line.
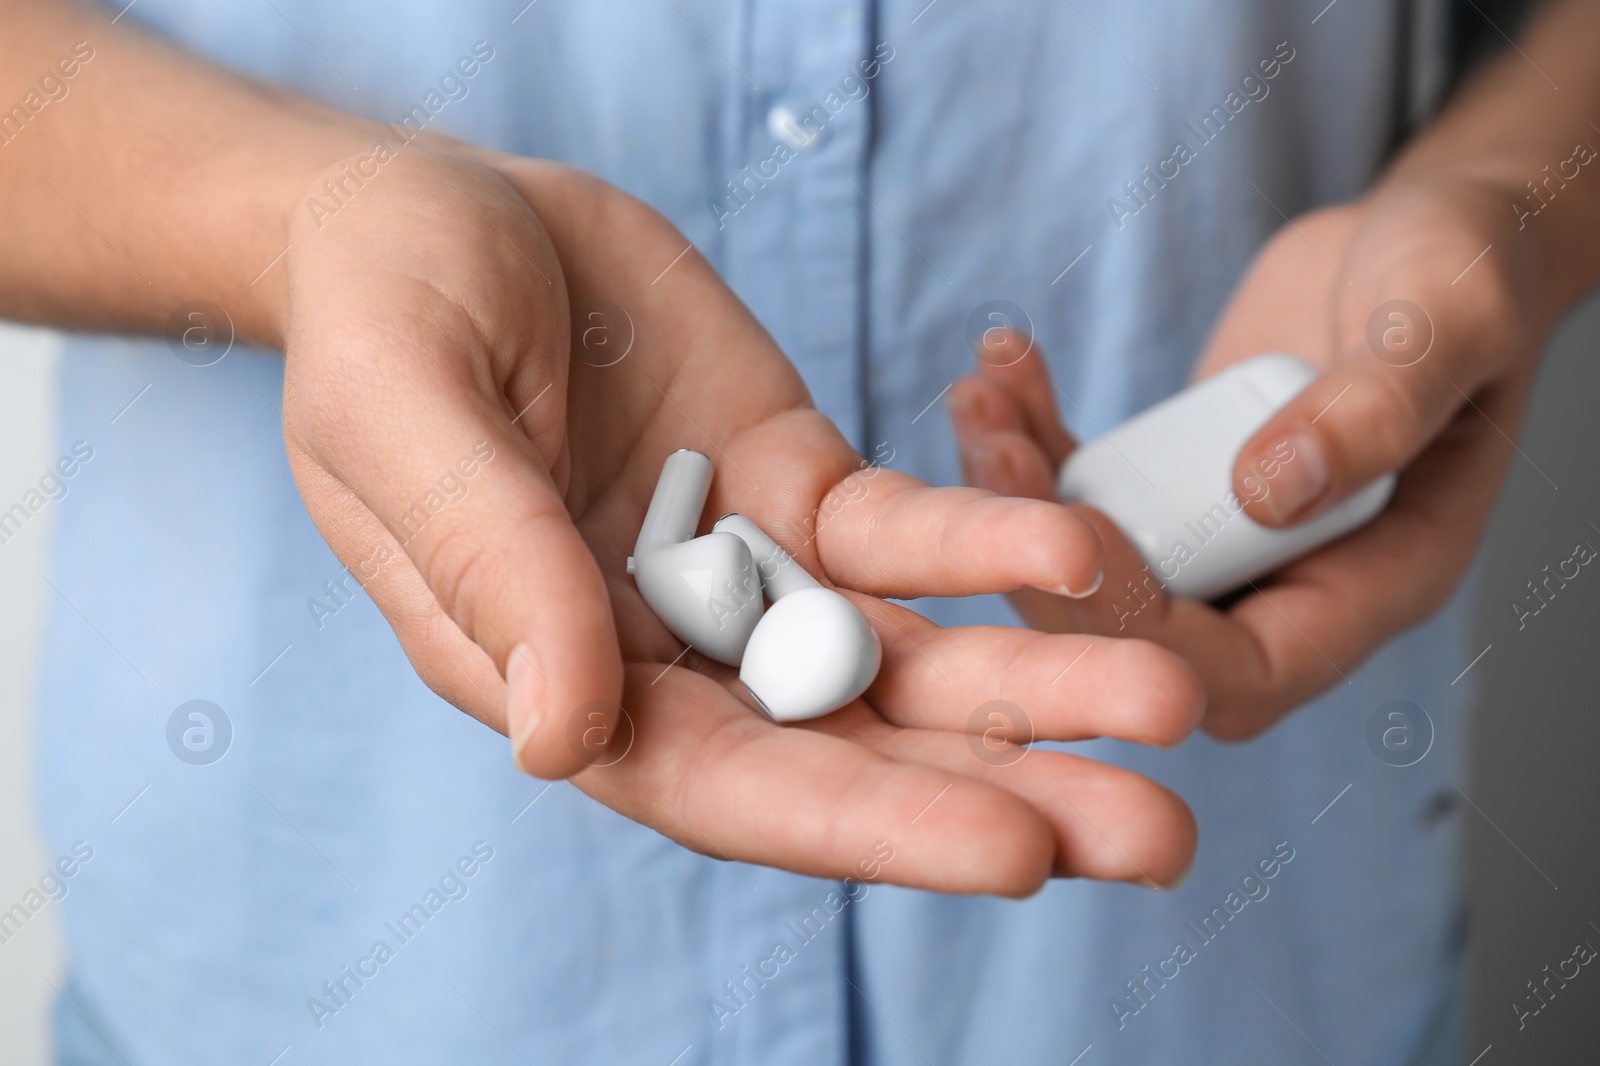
1021,150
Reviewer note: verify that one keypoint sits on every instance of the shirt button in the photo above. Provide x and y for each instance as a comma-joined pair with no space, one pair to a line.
799,123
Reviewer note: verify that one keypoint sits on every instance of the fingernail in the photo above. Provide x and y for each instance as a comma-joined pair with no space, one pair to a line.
524,709
1064,589
957,402
1295,473
1085,591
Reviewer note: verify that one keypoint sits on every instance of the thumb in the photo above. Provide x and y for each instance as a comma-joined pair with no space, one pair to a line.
469,500
1414,351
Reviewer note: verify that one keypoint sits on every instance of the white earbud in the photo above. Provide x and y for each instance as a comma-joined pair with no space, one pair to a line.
810,653
705,589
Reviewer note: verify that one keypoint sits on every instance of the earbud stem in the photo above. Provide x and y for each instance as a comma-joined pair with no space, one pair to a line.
679,498
780,574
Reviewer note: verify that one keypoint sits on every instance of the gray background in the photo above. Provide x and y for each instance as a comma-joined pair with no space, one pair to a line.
32,958
1534,875
1537,734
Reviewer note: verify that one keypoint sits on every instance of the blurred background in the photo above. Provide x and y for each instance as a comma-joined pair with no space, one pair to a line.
1534,786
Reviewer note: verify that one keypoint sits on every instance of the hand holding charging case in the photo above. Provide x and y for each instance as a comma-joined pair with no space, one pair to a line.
1166,478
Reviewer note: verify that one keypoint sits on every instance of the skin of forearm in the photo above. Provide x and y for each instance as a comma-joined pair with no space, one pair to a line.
148,178
1520,120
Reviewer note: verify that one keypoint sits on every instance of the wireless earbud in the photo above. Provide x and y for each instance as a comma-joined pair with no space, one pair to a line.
810,653
705,589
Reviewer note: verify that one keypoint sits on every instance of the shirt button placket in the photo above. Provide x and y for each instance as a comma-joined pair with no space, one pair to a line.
791,240
790,211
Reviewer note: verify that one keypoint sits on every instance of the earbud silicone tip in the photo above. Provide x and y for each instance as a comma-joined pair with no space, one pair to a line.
813,653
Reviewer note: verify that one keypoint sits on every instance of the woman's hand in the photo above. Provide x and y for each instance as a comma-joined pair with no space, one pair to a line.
1420,305
460,297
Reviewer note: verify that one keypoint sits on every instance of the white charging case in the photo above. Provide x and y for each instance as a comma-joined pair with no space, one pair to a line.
1166,478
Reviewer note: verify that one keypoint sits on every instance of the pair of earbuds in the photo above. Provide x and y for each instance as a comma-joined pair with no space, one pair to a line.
809,653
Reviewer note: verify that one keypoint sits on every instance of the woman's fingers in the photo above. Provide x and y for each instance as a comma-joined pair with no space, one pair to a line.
1415,336
443,656
1322,615
427,374
1008,430
1017,685
1027,381
489,536
1007,463
835,796
714,776
453,458
1310,624
905,540
1105,822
